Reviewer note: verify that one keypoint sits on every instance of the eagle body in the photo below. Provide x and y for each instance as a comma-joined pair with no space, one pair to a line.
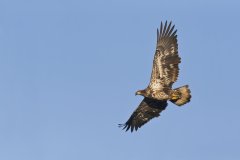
165,72
163,94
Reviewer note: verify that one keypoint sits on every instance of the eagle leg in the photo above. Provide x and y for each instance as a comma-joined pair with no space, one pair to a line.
175,96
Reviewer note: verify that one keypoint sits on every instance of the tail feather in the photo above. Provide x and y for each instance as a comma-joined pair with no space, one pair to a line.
183,95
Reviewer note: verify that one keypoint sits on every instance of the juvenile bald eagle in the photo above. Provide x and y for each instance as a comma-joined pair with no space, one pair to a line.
164,73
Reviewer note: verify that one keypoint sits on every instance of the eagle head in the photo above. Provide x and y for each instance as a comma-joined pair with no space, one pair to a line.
141,92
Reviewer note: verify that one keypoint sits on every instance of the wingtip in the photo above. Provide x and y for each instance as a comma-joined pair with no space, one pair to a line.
166,22
161,29
158,35
120,125
126,127
166,29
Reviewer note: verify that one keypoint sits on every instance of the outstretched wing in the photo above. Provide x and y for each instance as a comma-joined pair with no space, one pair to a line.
148,109
166,59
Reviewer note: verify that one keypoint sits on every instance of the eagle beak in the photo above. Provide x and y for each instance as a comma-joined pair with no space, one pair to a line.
137,93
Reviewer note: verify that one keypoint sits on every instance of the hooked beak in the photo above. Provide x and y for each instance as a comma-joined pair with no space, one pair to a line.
137,93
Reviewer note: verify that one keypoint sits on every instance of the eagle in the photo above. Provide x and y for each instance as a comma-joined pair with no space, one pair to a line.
165,72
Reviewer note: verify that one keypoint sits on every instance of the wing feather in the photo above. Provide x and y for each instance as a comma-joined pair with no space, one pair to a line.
164,30
166,59
161,29
147,109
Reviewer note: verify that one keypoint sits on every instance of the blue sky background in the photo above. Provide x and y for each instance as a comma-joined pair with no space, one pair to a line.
69,71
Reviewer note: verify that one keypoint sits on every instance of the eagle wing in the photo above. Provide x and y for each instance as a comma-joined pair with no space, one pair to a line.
166,59
148,109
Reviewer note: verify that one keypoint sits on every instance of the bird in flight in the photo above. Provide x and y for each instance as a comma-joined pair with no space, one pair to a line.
165,72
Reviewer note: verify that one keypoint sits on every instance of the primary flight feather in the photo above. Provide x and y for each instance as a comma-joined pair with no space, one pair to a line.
165,72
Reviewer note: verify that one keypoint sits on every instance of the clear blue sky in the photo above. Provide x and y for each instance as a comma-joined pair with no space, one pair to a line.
69,71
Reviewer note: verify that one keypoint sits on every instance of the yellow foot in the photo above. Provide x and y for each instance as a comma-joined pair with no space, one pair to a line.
175,96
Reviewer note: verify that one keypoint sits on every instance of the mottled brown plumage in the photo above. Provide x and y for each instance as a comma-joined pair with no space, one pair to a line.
165,72
147,110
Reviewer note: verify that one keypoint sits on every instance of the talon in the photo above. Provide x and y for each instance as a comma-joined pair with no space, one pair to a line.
175,97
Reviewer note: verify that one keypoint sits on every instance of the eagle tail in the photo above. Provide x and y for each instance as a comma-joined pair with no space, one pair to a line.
181,95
